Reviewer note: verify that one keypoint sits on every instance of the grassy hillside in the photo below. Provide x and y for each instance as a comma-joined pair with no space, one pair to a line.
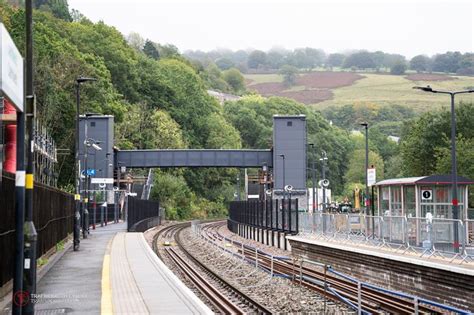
381,89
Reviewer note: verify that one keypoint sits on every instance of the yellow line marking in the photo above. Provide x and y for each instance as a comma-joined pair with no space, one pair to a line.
106,306
29,181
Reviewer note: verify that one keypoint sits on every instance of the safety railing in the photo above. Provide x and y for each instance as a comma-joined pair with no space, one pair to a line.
446,238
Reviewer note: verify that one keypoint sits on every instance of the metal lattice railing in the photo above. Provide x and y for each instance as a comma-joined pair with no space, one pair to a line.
445,238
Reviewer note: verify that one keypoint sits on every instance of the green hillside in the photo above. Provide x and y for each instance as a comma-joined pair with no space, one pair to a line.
379,89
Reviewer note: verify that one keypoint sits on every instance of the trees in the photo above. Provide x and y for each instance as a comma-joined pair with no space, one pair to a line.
252,116
224,63
150,50
135,41
335,60
289,74
398,68
356,169
420,63
360,60
257,59
235,79
448,62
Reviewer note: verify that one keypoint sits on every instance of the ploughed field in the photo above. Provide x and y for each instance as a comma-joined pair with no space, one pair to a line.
328,88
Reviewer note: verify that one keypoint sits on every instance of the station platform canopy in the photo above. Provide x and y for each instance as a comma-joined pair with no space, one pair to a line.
417,196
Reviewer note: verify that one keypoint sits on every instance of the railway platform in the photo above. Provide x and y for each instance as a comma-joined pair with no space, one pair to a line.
114,272
432,277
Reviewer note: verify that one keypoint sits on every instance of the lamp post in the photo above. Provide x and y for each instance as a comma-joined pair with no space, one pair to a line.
313,178
366,200
88,143
77,197
29,230
454,176
323,162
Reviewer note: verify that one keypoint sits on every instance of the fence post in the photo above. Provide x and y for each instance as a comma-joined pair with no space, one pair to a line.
359,298
289,215
297,217
415,303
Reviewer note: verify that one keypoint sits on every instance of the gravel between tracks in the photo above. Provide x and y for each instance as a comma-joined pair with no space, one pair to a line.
278,294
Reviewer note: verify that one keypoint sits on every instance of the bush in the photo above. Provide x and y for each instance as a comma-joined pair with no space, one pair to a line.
398,68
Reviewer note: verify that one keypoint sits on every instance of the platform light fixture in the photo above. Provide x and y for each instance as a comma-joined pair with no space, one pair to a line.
454,199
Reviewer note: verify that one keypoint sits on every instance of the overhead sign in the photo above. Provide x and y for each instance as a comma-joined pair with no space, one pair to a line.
11,74
426,194
102,180
371,177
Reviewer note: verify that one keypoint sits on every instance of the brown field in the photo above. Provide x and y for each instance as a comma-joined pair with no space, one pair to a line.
308,96
310,88
329,80
429,77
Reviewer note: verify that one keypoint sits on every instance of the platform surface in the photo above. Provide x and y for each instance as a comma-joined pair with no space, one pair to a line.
142,284
73,285
390,253
114,272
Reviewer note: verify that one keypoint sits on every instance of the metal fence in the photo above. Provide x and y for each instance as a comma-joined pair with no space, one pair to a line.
445,237
278,215
53,216
142,214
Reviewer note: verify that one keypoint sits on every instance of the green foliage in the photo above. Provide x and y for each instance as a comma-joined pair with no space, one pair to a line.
398,68
212,78
156,104
464,157
224,63
425,142
355,171
420,63
289,74
388,119
234,79
360,60
335,60
150,50
252,116
257,59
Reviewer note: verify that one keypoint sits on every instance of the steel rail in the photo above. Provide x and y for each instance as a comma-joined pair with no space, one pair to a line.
213,294
372,300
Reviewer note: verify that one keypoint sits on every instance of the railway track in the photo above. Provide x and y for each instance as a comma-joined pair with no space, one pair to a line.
372,300
225,298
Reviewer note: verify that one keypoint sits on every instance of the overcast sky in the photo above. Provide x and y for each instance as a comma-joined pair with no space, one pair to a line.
408,27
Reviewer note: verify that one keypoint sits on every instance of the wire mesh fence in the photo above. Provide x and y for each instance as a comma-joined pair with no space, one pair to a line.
433,236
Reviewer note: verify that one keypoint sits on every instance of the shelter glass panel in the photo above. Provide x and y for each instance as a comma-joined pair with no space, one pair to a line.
384,200
410,201
396,200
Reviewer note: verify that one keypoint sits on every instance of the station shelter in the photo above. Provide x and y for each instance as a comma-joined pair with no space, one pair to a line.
417,196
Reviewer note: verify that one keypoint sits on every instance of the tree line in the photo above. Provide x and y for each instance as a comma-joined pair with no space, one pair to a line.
310,58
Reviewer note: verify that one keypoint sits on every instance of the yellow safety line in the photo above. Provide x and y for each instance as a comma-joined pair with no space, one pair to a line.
106,300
